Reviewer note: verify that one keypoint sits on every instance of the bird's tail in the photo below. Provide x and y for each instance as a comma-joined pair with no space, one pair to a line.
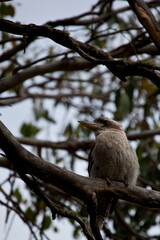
105,209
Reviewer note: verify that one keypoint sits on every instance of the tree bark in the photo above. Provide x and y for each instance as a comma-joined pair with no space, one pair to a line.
73,184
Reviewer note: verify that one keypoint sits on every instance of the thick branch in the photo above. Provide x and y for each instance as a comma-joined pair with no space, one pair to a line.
5,163
120,68
147,19
74,184
47,172
72,64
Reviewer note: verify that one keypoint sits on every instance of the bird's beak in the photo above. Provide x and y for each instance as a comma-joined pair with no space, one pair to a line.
91,125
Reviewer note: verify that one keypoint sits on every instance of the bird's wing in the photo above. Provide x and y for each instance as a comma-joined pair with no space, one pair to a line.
90,160
105,205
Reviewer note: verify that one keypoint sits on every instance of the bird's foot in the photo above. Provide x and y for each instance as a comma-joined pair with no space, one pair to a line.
108,181
122,181
126,184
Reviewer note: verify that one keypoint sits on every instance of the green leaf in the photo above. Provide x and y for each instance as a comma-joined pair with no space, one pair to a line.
18,195
39,204
43,113
68,131
29,130
58,160
46,222
72,221
30,214
123,103
7,10
76,231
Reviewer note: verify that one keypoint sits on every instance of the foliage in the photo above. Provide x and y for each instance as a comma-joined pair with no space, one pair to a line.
63,92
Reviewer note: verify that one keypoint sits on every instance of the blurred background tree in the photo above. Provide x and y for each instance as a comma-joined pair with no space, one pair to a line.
109,66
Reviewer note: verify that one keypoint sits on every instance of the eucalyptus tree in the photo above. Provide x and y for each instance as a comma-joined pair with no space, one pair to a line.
104,61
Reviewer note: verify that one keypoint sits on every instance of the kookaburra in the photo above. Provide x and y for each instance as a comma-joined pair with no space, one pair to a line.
111,157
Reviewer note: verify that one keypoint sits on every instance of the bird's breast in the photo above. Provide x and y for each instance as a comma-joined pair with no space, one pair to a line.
113,157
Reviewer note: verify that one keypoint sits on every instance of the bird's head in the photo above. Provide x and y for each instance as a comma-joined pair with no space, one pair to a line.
102,124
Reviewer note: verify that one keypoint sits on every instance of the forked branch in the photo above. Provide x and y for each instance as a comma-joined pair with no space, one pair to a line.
78,186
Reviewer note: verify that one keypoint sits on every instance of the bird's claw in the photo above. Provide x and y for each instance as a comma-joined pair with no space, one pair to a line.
108,181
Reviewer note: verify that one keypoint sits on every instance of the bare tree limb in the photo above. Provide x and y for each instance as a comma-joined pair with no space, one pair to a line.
63,65
119,68
96,17
74,184
144,134
16,208
126,226
5,163
78,186
33,185
8,54
75,145
24,95
147,19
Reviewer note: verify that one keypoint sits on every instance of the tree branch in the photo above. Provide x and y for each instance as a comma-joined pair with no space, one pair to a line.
147,19
143,135
81,187
119,68
17,209
74,145
8,54
72,64
78,186
129,229
33,185
4,162
96,17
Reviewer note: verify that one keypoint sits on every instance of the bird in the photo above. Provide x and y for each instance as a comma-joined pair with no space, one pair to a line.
111,158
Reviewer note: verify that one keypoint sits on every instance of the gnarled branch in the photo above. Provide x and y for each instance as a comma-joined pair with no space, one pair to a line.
119,68
74,184
147,19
